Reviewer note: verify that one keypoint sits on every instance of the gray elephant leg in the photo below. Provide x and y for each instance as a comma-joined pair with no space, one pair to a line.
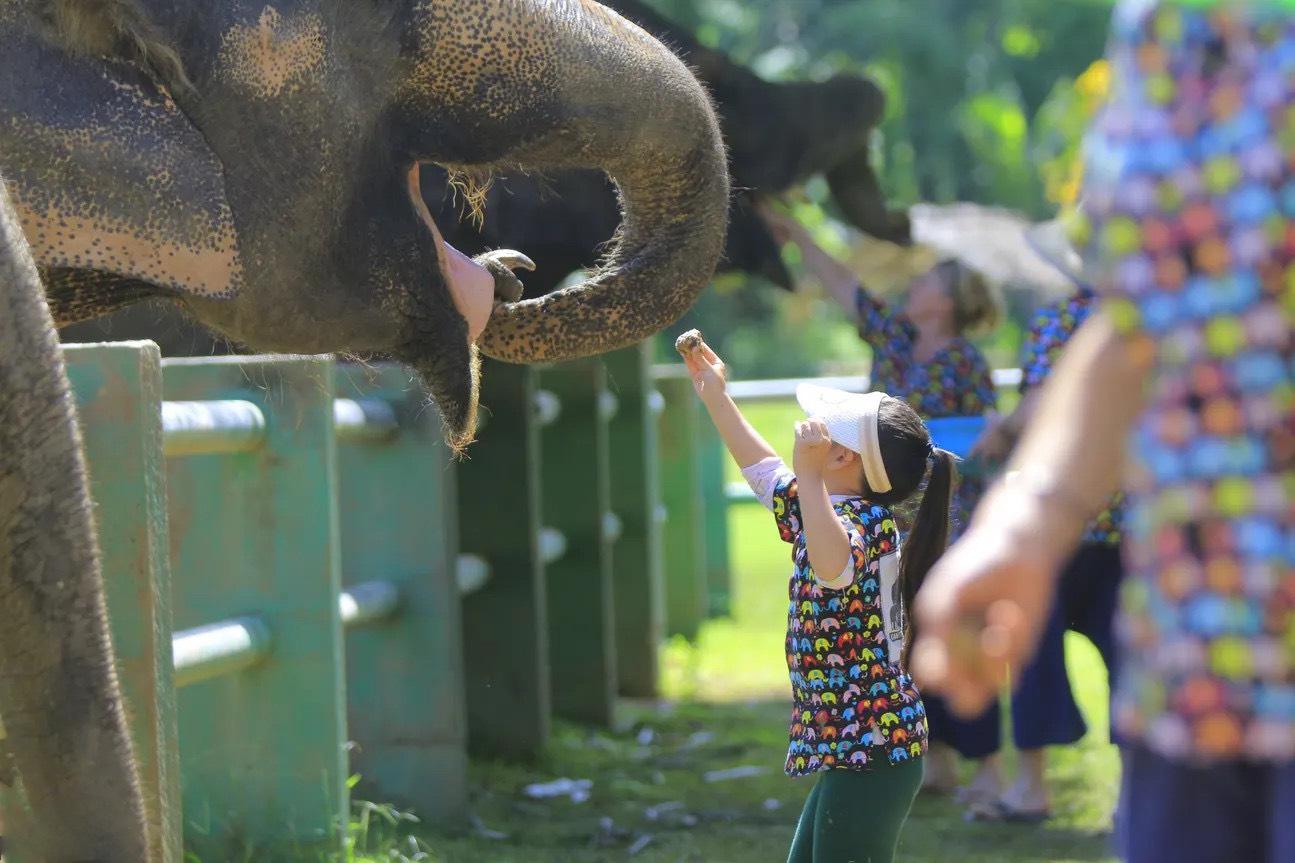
59,700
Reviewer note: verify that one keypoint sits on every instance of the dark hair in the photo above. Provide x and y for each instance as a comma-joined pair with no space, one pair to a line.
905,450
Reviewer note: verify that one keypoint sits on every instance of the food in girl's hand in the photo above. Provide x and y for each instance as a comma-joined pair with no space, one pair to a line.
688,342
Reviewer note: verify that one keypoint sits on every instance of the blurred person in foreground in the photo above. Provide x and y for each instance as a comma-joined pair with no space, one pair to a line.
1190,210
1043,707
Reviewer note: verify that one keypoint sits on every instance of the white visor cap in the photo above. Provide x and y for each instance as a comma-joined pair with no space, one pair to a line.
851,420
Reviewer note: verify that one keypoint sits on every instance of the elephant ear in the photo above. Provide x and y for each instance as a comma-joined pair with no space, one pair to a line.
107,174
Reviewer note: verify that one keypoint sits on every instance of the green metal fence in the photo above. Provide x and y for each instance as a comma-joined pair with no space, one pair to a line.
305,584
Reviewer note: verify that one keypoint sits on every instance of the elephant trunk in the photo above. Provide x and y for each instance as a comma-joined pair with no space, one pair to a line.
59,702
618,100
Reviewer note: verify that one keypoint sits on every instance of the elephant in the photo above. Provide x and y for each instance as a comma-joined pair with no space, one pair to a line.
259,165
779,134
63,727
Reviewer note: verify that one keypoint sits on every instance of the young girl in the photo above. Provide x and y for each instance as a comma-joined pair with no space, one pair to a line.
857,720
921,354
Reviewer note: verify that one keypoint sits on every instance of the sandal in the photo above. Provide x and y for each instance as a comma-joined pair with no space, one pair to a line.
997,810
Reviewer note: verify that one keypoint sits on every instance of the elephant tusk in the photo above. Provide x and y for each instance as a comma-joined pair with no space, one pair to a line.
512,259
501,263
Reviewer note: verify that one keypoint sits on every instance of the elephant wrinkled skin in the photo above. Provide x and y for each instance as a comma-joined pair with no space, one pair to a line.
257,162
268,189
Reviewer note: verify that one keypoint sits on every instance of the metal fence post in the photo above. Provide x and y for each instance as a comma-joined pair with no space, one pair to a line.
404,677
714,512
577,501
685,529
505,633
255,533
118,388
638,593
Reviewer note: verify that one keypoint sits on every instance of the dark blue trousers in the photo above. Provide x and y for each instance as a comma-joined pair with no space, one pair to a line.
1044,712
1232,812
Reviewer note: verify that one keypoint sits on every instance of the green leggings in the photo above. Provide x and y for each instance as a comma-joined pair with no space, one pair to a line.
854,816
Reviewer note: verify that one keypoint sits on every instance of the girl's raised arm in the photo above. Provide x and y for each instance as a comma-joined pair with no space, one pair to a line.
709,380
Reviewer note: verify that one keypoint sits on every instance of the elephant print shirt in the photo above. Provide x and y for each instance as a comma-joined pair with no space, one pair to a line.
1052,327
956,382
1190,241
853,706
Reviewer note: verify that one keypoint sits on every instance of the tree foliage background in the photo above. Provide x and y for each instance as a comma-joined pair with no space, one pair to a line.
987,102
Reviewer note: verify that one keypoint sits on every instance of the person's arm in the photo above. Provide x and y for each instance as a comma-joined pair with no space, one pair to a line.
837,279
709,379
984,603
826,541
1002,432
890,336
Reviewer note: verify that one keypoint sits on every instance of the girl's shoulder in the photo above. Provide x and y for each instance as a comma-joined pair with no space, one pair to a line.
866,512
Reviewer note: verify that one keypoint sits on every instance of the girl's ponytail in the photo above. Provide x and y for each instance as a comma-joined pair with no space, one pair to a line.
908,454
928,538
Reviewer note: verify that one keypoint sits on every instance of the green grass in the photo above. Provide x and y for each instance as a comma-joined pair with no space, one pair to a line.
725,707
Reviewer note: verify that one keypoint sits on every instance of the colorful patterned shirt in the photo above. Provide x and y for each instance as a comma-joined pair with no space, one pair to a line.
1052,327
956,382
1191,239
853,706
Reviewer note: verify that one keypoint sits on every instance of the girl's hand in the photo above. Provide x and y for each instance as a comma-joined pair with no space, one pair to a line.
813,448
709,374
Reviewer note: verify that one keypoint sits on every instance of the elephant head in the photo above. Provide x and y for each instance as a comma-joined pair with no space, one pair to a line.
272,185
779,134
562,90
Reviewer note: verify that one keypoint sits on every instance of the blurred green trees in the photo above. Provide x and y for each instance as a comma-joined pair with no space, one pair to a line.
988,100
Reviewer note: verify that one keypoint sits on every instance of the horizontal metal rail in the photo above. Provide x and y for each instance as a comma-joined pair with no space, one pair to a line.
235,425
218,649
222,648
201,428
552,544
472,572
364,420
613,527
656,403
608,405
738,492
784,389
547,406
369,602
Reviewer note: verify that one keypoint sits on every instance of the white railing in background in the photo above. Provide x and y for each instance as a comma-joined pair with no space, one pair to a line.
783,389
